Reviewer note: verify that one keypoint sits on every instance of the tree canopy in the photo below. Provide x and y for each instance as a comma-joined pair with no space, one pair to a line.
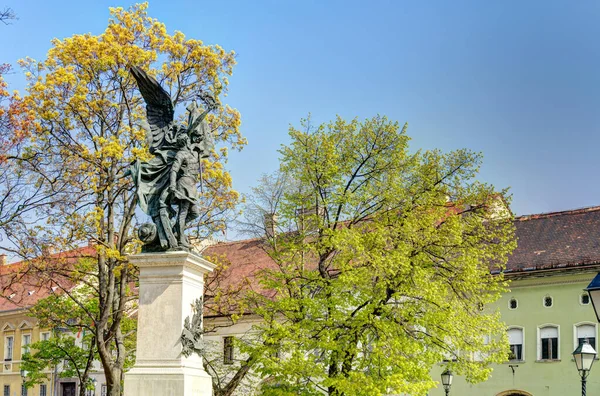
388,270
84,127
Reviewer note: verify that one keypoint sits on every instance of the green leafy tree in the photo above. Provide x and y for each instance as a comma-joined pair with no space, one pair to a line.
69,310
388,269
63,354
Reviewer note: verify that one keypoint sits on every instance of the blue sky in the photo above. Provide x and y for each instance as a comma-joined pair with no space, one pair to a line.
517,80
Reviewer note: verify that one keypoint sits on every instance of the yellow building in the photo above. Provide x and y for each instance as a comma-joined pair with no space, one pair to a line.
20,330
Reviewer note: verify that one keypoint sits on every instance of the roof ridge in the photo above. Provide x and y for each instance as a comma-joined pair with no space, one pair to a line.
546,215
221,243
75,252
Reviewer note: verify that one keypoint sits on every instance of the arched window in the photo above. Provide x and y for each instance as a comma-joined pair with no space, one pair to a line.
514,393
585,331
513,303
548,342
515,339
480,356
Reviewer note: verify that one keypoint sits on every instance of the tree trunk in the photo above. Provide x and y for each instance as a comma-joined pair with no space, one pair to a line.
235,381
116,389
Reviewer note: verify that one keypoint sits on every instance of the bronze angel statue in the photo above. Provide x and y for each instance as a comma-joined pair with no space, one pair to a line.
167,184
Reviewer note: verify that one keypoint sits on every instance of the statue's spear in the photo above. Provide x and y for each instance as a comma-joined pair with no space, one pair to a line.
211,104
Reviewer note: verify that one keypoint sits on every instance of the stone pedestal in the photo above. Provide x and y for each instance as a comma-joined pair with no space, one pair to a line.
170,282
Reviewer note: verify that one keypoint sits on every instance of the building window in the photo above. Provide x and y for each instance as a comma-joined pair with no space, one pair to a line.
23,390
585,332
45,336
103,390
6,390
513,304
43,389
479,356
8,347
228,350
585,299
515,339
548,301
25,341
548,348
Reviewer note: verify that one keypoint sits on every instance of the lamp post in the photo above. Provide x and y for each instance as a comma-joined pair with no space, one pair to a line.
447,380
584,356
23,387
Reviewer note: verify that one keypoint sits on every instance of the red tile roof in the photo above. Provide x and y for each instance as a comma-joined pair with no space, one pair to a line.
243,261
556,240
22,285
549,241
545,241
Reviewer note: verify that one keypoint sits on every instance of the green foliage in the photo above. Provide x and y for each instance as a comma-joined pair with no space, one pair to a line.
68,311
277,389
60,351
389,268
72,312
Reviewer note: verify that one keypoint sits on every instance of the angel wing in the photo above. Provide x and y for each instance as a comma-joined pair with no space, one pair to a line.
159,108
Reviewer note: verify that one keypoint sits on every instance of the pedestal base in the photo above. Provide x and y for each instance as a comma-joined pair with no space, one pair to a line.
163,382
170,283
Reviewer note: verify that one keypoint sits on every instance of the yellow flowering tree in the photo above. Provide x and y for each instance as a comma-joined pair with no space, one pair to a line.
88,128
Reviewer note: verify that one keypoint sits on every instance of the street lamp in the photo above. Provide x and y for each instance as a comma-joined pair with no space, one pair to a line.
24,374
593,290
447,380
584,357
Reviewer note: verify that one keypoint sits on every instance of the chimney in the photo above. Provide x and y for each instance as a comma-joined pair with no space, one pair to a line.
270,223
3,260
199,244
307,218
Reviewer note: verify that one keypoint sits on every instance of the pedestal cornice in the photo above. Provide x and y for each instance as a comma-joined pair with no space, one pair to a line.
170,259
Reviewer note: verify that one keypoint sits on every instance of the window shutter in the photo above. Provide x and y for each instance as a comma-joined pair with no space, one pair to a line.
515,336
586,331
549,332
